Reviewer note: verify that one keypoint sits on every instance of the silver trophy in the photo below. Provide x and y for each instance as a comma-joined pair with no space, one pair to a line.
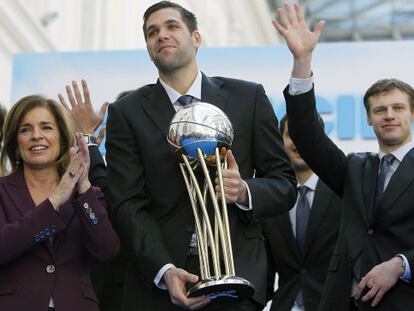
201,134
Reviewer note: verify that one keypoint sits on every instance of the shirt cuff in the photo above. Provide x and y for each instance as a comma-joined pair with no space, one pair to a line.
250,206
158,278
407,272
300,86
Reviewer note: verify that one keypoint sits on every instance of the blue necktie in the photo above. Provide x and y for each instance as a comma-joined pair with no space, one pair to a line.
386,163
302,217
185,100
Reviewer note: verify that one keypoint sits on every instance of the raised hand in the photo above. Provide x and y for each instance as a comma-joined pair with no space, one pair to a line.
300,40
81,110
292,26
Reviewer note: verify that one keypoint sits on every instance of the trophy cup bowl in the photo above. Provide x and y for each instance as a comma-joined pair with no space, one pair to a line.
200,135
200,126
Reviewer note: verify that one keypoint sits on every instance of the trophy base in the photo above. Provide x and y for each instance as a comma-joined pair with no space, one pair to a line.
232,287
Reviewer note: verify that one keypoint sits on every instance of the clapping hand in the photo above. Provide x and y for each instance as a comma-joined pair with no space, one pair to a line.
76,175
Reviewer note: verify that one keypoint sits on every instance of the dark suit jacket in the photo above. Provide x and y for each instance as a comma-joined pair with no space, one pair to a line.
31,268
308,270
147,190
108,277
376,233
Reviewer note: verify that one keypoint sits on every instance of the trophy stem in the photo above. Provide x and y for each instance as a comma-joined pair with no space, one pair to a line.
217,213
229,248
202,255
205,244
206,219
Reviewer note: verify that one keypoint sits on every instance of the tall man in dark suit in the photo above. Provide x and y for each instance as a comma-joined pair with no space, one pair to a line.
301,241
375,254
146,187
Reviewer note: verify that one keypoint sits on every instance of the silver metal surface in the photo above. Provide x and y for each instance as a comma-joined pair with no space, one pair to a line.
200,126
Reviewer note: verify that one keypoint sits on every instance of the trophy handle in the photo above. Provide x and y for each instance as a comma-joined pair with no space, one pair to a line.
226,227
206,219
224,237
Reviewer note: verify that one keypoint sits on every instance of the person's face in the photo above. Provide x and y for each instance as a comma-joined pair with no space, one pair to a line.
38,139
390,116
170,44
297,162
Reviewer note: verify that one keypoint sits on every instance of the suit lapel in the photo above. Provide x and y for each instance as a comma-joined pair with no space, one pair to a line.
369,183
286,228
20,195
19,192
212,92
159,107
319,208
399,181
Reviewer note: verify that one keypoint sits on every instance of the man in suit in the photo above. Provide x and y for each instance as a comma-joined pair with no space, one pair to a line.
301,241
147,191
375,254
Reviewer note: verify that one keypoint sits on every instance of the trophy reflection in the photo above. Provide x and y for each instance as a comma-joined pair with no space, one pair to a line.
201,134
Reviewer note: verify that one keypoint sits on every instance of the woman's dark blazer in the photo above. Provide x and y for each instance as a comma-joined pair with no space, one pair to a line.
44,253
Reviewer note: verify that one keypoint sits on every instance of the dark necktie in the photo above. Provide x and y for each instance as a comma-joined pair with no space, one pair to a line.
185,100
386,163
302,217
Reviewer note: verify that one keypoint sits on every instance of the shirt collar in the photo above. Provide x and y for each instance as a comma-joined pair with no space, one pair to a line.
398,153
194,90
311,182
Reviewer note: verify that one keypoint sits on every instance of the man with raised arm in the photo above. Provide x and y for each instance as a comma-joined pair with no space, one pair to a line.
371,266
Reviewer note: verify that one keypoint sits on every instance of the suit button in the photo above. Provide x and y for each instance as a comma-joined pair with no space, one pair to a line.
189,228
370,231
85,205
50,269
303,271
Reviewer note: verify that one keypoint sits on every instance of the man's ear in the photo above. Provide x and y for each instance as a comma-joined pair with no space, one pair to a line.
197,38
369,119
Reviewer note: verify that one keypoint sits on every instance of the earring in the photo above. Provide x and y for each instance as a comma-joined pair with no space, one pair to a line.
17,161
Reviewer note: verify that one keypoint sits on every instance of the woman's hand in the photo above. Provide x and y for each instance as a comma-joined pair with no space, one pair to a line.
83,153
68,181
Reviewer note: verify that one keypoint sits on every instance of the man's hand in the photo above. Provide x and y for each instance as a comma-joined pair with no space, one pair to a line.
81,110
300,40
175,280
379,280
235,189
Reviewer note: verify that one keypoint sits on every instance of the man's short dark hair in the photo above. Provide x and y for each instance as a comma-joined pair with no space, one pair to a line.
188,17
385,86
285,118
